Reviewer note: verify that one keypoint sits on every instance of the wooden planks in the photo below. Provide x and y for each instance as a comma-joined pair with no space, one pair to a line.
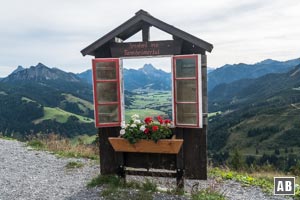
165,146
146,48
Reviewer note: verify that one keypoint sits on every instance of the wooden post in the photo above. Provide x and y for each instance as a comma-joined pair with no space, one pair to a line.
179,162
108,158
146,33
205,115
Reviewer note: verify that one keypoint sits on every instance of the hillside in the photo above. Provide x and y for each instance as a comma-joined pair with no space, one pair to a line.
43,99
231,73
258,115
86,76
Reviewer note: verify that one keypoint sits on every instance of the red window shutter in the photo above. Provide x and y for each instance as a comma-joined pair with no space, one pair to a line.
107,92
187,91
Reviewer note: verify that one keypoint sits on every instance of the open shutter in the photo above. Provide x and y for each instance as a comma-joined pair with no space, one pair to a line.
187,91
106,85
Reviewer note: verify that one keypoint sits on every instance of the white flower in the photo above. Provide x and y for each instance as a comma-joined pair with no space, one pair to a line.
135,116
142,128
137,121
123,125
171,125
122,132
133,125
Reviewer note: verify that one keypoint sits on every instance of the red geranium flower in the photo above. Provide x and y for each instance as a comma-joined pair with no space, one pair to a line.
146,131
154,128
167,121
148,120
159,118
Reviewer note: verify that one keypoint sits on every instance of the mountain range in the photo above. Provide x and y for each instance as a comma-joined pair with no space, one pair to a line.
148,77
145,78
253,107
230,73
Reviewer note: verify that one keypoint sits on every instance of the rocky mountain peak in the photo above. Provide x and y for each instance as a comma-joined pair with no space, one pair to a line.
40,72
19,68
267,62
41,65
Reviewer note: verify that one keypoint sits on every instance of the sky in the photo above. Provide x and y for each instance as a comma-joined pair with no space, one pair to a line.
54,32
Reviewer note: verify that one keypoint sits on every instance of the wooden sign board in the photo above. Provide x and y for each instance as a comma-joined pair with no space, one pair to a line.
133,49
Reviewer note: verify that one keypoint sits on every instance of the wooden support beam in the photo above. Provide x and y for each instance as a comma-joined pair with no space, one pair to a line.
151,173
146,33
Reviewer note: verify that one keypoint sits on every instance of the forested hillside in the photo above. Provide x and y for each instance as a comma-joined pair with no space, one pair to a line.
46,100
258,116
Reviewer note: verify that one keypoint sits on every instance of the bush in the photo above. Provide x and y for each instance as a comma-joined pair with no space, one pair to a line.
36,144
296,169
236,161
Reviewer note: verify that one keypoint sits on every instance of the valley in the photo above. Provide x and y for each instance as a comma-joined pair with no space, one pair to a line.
147,104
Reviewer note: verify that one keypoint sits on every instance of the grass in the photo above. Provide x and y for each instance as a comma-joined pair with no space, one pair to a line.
149,186
207,194
149,99
149,104
60,116
117,194
36,144
262,179
82,104
63,147
83,139
27,99
74,165
117,188
3,93
245,179
5,138
214,114
142,113
109,180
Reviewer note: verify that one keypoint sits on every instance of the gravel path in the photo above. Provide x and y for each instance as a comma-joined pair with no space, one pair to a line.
27,174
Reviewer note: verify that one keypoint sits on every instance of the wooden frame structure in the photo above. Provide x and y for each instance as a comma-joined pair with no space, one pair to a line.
191,161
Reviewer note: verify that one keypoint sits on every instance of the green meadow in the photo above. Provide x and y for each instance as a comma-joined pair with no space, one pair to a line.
60,116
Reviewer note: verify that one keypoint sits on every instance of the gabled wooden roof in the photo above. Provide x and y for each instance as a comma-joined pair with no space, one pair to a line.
138,22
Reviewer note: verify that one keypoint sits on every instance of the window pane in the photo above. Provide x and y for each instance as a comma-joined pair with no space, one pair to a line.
108,113
185,67
106,70
107,92
186,114
186,91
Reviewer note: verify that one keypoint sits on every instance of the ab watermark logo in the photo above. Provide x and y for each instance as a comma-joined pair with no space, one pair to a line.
284,185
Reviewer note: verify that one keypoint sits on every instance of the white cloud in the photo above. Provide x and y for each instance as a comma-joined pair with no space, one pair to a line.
54,31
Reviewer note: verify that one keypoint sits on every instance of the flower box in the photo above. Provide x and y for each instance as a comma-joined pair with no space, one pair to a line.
167,146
